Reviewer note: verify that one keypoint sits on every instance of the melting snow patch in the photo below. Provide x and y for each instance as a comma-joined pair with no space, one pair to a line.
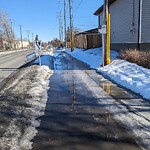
92,57
129,75
25,105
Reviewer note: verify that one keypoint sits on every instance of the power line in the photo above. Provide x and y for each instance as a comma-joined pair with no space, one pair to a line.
78,6
86,25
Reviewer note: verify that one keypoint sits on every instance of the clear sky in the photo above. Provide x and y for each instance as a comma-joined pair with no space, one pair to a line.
40,16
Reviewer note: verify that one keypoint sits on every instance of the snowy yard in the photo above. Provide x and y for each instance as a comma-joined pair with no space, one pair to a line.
128,75
23,101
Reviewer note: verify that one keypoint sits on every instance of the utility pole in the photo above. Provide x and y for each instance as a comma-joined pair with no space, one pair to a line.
32,39
28,32
71,25
21,36
60,27
11,36
65,24
106,34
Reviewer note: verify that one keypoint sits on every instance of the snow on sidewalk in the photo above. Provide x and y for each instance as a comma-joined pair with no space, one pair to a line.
92,57
126,74
23,101
129,75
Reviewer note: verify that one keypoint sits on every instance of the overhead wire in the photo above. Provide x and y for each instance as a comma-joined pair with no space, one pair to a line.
78,6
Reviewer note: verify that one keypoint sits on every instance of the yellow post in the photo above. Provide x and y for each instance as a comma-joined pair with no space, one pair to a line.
108,40
72,42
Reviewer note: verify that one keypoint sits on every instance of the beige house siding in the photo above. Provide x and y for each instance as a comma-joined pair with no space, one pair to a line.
145,32
130,23
19,44
123,14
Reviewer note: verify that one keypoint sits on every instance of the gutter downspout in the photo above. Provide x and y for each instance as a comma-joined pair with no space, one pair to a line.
140,23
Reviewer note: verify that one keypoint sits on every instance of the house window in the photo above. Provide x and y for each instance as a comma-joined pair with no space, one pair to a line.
99,21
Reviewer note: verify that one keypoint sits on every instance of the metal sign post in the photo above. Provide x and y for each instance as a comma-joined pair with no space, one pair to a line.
38,48
105,31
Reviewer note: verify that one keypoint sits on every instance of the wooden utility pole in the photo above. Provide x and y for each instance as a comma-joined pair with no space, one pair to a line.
71,25
11,36
106,36
28,33
32,38
65,32
21,36
60,27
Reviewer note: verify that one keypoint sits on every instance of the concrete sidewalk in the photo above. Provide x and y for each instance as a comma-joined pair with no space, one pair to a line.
74,117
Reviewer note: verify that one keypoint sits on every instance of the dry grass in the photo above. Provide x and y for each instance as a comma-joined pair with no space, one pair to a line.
141,58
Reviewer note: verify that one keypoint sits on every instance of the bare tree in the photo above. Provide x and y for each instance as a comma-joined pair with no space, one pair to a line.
6,29
55,42
75,30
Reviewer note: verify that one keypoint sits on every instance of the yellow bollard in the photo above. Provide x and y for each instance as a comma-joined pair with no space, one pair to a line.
72,42
108,40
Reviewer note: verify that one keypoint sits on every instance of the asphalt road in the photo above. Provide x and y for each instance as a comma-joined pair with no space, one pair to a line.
73,119
10,62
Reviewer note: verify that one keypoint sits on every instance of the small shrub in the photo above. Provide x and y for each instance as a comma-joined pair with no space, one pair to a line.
141,58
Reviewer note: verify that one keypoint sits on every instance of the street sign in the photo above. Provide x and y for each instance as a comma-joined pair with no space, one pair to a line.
38,47
102,30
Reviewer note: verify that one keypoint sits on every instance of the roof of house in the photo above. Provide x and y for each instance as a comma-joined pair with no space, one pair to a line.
92,31
99,10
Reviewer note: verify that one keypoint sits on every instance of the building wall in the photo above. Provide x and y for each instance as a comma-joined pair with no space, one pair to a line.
145,32
19,45
123,14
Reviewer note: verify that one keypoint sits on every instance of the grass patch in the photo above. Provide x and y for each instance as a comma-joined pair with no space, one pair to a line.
141,58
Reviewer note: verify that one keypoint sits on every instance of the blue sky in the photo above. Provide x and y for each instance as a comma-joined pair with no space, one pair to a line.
40,16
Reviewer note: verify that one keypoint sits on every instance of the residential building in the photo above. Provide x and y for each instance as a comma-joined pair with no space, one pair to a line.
130,23
23,44
4,45
1,43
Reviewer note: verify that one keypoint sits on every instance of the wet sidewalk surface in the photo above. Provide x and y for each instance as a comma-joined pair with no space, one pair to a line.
73,118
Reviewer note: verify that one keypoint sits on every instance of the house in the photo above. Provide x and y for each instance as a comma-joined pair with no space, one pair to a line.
4,45
88,39
1,43
130,23
23,44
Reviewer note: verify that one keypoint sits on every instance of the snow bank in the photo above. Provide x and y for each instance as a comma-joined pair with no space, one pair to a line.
126,74
12,51
92,57
24,98
129,75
